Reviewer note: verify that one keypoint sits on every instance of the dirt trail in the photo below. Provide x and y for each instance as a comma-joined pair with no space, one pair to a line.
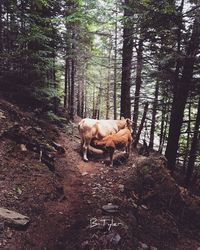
92,187
66,205
65,224
78,219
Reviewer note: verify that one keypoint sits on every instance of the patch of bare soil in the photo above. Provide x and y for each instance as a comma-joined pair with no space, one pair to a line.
75,205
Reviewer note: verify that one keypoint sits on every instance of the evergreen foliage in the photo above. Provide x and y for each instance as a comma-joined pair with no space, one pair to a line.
79,51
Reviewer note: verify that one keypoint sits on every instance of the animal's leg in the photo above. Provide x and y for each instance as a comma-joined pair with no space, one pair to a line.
111,156
85,149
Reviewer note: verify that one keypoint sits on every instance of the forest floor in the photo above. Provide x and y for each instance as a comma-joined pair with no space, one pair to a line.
65,197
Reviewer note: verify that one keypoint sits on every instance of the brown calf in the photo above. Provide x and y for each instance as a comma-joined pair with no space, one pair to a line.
120,140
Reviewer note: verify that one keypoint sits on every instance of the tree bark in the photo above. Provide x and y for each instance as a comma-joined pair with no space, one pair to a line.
164,126
138,83
127,52
108,82
72,89
137,138
115,68
188,137
66,84
1,27
155,104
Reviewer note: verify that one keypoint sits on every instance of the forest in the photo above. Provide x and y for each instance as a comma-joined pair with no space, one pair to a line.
64,60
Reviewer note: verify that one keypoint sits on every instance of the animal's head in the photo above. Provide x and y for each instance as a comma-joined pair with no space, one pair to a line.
125,123
128,124
101,142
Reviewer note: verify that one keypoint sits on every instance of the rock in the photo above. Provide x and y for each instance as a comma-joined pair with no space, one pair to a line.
110,208
134,165
116,239
155,248
13,218
143,246
84,173
121,188
2,116
38,129
23,147
144,207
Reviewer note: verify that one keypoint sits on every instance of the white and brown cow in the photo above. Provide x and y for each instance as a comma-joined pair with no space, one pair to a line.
97,129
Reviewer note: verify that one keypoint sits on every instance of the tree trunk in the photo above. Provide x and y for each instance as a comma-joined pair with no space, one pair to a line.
192,156
115,68
179,38
127,52
85,100
1,28
93,100
188,137
138,83
72,89
69,83
78,97
164,125
98,103
66,83
137,138
82,101
1,39
155,104
108,82
180,97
